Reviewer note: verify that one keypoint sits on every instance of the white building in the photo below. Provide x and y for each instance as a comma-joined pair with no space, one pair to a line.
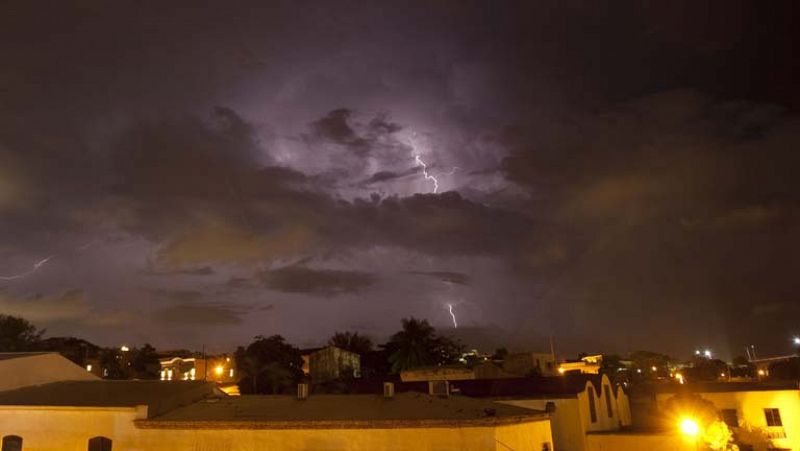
579,404
103,415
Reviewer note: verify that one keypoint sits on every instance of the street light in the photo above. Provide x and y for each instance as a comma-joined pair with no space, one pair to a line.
689,427
707,353
796,341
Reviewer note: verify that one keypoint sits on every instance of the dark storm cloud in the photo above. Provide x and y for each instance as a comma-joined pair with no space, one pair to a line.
206,313
323,282
198,271
620,163
177,295
446,276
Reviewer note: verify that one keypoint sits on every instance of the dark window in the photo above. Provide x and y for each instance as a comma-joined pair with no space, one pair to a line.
592,408
730,417
609,407
773,417
12,443
99,444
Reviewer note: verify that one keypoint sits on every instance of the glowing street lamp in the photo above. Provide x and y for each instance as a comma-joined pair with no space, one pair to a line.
689,427
796,341
219,369
707,353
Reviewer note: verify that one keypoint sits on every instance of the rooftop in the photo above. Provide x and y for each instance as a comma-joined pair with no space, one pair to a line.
568,385
341,411
17,355
157,395
721,387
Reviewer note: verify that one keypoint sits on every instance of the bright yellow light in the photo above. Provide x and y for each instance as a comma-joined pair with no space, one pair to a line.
689,427
561,370
219,369
721,374
761,372
653,368
124,348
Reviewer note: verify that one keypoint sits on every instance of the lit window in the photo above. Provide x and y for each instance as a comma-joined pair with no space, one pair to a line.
192,373
99,444
592,408
773,417
163,375
231,372
12,443
169,375
88,367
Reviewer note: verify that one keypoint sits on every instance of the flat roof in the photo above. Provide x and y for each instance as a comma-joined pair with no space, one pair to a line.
721,387
159,396
568,385
341,412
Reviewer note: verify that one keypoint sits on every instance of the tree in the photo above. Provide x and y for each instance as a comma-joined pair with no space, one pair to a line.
18,334
145,363
113,364
268,365
417,344
704,369
77,350
351,341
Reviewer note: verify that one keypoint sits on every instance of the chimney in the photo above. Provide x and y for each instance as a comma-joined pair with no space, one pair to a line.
388,390
302,391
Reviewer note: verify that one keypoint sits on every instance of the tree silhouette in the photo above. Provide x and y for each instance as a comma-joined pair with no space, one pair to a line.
18,334
417,345
351,341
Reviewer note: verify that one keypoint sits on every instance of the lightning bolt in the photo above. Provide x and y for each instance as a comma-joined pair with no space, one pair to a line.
453,315
35,268
425,173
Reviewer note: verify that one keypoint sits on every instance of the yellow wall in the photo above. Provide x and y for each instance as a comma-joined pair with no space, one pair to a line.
68,429
572,420
636,442
750,407
565,422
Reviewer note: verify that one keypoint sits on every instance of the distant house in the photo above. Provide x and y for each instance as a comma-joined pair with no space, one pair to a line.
329,363
192,415
591,364
530,363
485,370
579,404
771,409
21,369
221,369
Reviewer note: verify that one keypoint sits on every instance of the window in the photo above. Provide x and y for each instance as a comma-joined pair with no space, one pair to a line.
730,417
592,408
99,444
546,446
773,417
12,443
609,406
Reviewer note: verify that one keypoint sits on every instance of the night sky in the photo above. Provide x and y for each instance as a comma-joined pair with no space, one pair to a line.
619,175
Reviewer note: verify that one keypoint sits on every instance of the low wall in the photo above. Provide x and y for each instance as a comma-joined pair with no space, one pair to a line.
637,442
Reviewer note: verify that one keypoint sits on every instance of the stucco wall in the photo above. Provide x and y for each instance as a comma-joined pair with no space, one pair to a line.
572,419
750,407
636,442
48,429
565,422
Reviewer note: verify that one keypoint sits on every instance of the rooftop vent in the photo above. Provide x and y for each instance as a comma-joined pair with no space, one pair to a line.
388,390
439,388
302,391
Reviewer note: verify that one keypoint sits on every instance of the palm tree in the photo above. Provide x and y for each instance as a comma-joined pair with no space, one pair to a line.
414,346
